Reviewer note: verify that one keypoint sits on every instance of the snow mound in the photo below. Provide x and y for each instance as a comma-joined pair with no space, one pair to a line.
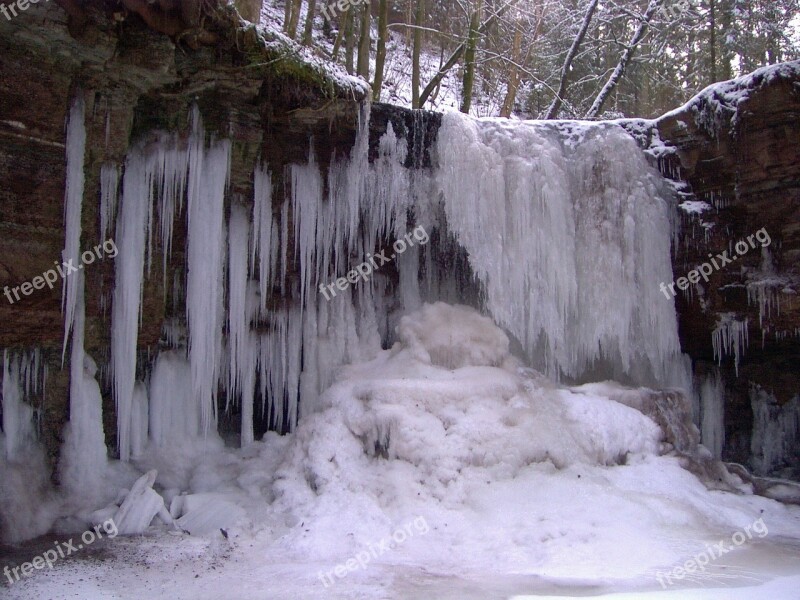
504,466
453,337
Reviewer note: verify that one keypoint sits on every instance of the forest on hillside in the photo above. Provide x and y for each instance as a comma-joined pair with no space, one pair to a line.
544,58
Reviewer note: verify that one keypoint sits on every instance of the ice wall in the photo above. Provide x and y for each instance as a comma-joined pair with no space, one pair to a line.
569,234
561,235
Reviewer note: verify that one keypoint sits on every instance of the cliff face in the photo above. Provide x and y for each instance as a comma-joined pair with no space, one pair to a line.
261,93
733,147
734,151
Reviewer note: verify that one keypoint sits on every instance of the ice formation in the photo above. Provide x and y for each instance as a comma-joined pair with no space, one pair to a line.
712,414
109,197
566,260
568,240
730,337
560,236
29,506
207,185
84,458
131,237
776,431
73,203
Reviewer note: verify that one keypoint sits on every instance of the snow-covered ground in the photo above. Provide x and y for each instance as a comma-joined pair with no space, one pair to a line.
443,468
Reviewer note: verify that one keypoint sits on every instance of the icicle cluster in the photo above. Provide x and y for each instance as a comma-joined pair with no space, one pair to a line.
568,240
24,376
730,337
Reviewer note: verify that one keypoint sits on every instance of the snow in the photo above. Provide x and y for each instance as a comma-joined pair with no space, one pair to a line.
523,485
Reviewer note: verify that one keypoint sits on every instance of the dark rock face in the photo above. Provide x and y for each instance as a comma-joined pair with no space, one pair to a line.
258,92
742,157
736,147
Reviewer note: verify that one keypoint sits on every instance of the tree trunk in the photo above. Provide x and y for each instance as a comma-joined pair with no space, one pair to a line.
308,34
513,76
349,41
294,20
287,15
712,5
726,29
364,42
627,55
380,57
470,55
456,56
552,111
419,21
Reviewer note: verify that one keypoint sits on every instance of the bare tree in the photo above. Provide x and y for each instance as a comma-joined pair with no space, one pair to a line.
416,72
470,54
627,55
308,34
552,111
364,41
380,55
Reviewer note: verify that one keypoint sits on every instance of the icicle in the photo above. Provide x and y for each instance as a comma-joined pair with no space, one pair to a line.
174,413
776,431
207,185
73,201
139,419
84,455
132,224
109,191
263,254
731,336
173,164
18,429
238,319
306,209
712,422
